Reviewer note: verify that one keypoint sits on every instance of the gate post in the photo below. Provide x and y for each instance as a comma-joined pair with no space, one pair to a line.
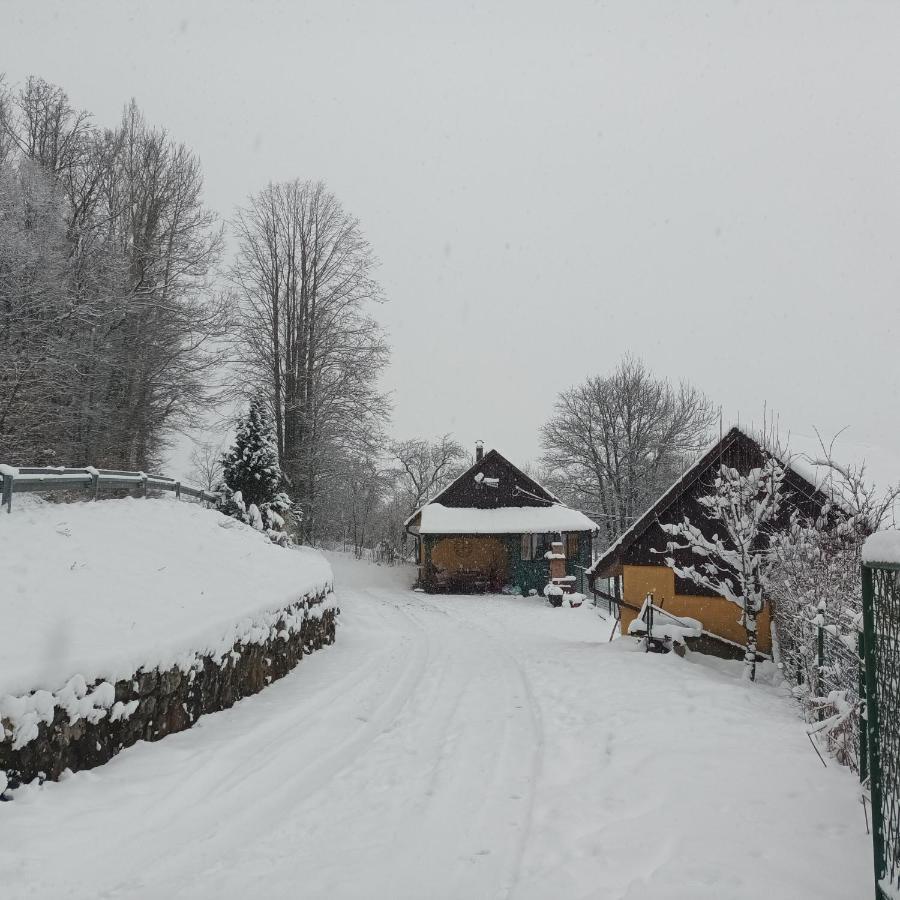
872,729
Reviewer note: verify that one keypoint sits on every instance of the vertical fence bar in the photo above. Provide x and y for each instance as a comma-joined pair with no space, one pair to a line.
875,786
863,736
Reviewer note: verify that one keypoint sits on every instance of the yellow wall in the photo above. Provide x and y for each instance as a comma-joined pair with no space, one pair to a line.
718,615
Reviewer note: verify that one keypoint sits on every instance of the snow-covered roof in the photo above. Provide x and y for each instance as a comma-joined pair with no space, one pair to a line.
882,547
439,519
468,473
815,475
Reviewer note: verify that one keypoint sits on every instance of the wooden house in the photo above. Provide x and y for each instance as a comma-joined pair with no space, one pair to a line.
492,528
634,566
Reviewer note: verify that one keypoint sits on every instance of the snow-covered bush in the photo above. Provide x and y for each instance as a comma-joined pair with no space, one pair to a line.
816,595
251,477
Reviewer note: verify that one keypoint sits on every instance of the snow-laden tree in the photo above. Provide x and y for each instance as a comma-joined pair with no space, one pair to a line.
110,333
735,561
251,477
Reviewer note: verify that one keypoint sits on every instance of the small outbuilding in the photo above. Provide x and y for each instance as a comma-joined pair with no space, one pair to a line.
492,529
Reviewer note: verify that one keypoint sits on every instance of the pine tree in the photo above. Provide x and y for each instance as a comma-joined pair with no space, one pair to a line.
251,476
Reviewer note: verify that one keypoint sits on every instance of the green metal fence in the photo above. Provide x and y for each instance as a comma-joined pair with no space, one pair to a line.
880,654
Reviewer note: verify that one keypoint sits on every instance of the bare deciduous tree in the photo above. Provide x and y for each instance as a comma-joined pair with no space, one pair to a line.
614,443
303,279
206,464
426,467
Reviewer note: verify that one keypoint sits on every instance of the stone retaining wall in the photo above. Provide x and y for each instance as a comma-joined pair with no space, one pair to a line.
155,703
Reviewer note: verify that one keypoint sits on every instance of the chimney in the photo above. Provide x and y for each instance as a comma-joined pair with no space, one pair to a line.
479,451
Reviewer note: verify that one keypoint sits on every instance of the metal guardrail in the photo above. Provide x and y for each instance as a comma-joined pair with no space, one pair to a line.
92,481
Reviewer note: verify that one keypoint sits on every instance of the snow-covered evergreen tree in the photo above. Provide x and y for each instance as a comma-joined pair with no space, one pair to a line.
737,558
251,476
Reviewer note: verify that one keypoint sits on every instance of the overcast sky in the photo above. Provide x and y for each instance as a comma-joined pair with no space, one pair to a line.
714,187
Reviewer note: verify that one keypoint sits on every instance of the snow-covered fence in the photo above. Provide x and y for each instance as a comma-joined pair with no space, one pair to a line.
880,651
819,658
91,481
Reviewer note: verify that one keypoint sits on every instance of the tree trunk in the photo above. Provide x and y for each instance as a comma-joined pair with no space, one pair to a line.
750,623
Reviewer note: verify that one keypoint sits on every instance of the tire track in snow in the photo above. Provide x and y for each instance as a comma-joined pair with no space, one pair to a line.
500,644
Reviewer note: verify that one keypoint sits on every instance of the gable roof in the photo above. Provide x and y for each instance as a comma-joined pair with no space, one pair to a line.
520,504
797,475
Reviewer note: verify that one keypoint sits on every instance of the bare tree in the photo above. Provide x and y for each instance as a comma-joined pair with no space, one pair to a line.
426,467
303,280
206,464
614,443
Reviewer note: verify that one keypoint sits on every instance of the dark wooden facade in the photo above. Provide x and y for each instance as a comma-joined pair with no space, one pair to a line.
638,557
514,487
495,561
644,544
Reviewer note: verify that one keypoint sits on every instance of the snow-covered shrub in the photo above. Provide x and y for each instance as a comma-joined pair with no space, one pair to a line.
815,587
251,477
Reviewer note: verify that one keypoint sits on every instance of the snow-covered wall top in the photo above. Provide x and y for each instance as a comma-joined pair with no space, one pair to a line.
103,589
883,547
440,519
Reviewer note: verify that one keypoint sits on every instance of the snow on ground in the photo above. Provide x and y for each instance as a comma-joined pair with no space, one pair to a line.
459,747
101,589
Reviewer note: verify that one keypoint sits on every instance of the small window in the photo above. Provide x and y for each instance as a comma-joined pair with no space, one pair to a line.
534,546
572,545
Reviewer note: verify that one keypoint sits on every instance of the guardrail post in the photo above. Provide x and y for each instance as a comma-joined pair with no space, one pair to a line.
7,492
177,490
144,482
95,481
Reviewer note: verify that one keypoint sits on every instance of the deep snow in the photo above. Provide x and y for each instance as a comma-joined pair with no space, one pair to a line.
97,590
459,747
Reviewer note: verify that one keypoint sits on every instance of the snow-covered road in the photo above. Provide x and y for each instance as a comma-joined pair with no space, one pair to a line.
458,747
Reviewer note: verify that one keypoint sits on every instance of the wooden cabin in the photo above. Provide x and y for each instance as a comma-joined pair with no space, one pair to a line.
492,529
634,566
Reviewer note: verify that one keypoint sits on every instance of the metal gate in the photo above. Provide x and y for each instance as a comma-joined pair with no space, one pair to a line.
880,652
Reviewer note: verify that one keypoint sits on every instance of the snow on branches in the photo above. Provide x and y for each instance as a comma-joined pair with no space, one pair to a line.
736,559
251,476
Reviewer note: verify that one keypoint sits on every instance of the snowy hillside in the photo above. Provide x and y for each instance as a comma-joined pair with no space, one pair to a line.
103,589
